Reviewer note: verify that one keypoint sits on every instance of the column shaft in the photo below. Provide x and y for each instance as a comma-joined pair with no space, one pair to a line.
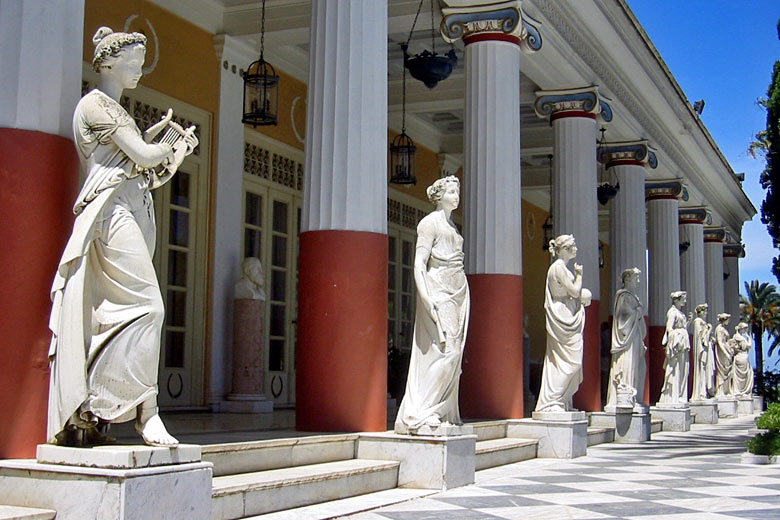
492,380
341,381
713,271
731,287
692,278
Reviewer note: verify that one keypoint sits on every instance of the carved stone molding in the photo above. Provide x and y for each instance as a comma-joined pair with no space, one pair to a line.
714,234
575,102
666,189
734,250
693,215
499,21
627,152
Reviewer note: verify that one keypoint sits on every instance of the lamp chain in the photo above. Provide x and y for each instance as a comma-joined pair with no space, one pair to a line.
262,31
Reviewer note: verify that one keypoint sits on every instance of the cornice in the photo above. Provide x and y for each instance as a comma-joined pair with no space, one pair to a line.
206,14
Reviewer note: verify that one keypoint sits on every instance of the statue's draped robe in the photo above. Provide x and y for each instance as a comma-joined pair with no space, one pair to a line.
628,348
434,369
742,371
107,310
703,367
565,321
724,358
677,343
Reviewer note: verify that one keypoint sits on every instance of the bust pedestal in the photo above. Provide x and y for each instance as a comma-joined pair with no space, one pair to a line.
117,482
745,405
727,406
676,418
758,403
705,411
561,435
631,424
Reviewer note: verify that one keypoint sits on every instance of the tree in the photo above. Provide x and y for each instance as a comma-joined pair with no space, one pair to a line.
767,143
760,310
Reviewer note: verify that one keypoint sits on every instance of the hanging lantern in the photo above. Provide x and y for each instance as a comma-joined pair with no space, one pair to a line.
547,227
429,67
402,159
261,88
605,191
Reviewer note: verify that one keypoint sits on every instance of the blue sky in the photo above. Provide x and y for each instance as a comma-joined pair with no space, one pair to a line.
723,52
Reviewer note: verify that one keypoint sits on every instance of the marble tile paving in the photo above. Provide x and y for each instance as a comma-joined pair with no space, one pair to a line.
676,476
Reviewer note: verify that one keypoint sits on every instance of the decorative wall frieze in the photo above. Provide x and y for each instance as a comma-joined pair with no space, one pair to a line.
574,102
666,189
693,215
715,234
734,250
499,21
627,152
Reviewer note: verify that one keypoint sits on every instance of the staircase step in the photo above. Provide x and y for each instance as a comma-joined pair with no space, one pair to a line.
498,452
600,435
247,494
25,513
656,425
488,430
247,457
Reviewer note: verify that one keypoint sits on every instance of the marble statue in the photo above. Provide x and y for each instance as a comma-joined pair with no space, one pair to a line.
742,371
107,311
441,318
564,304
252,282
677,345
703,362
627,375
724,357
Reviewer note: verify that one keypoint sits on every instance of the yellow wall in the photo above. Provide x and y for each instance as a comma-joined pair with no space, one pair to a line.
536,260
290,91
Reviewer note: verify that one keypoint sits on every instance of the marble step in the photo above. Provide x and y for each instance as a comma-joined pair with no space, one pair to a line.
488,430
600,435
248,494
498,452
25,513
656,425
247,457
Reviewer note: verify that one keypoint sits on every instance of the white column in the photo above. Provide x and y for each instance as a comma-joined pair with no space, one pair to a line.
663,245
713,272
731,285
227,214
628,229
40,60
692,279
345,183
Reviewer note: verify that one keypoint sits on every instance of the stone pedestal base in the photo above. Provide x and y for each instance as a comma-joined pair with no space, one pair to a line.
629,427
758,403
705,412
247,403
559,439
427,462
675,419
727,407
745,406
120,482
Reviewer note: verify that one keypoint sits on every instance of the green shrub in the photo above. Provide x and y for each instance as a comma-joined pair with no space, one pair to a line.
770,419
764,444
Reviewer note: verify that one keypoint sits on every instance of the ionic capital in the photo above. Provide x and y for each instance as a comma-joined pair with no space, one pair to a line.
485,20
734,250
715,234
636,153
573,102
667,189
693,215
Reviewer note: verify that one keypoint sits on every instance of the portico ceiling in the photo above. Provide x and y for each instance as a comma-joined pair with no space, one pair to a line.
584,43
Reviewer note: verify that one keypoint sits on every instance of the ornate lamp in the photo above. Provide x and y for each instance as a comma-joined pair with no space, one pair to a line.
429,67
605,191
547,227
261,88
402,149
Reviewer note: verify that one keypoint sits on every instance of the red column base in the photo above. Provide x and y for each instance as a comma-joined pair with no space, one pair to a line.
491,386
656,365
588,397
38,184
341,379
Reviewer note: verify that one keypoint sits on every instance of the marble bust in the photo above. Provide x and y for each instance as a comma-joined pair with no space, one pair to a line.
742,372
724,357
107,312
677,345
564,304
252,282
430,403
703,359
627,374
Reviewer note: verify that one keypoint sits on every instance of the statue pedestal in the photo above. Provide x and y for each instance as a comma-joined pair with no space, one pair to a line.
745,405
117,482
427,462
247,395
561,435
727,407
758,403
705,411
676,418
629,426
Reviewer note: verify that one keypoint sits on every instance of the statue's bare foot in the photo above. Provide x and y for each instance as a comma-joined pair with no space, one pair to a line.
154,433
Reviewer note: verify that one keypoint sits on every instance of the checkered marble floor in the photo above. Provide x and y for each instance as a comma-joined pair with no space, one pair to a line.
675,476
